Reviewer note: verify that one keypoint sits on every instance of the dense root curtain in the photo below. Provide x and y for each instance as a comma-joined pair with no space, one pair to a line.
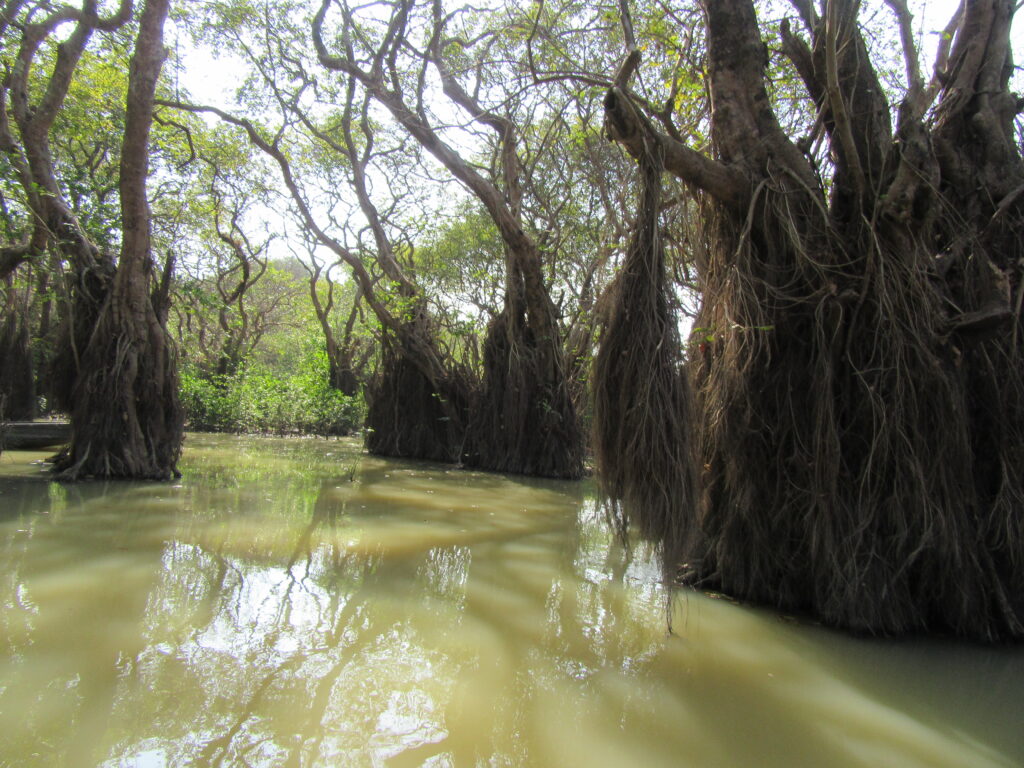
858,418
416,406
125,415
523,417
17,377
642,407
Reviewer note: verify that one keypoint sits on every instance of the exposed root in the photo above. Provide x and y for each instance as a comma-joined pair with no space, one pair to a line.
839,435
408,417
126,418
523,418
642,408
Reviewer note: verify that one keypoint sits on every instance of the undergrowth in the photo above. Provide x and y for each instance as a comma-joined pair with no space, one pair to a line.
259,400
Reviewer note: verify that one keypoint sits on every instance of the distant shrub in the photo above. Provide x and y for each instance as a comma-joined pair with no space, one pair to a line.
256,400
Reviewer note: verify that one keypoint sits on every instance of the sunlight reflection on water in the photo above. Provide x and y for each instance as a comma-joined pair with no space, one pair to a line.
294,603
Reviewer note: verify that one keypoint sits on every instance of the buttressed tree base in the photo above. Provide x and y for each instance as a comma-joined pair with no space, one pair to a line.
858,393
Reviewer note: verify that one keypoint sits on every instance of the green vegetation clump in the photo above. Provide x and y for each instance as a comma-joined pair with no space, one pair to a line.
256,399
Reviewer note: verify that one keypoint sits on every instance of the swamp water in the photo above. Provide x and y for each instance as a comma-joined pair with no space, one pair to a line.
294,603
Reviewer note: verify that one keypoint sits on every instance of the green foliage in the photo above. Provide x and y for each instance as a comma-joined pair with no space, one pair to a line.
257,400
462,262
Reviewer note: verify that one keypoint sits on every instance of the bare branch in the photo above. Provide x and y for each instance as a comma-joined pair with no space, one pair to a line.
802,58
939,70
274,152
632,59
915,84
628,127
12,257
837,35
807,13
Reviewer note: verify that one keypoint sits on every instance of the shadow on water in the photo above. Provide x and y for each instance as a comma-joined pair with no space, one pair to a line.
295,603
780,693
22,495
77,567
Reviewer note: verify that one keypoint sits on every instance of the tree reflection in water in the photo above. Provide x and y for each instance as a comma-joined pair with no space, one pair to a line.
285,606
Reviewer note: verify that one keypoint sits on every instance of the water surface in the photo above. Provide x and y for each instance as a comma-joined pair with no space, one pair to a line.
294,603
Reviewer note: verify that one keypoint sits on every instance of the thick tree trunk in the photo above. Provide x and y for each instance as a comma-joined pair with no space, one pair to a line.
125,414
341,374
836,428
17,372
979,238
858,382
417,401
523,419
416,407
841,420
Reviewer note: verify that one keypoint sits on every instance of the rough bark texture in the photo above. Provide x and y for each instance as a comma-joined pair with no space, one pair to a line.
17,372
89,287
125,415
859,415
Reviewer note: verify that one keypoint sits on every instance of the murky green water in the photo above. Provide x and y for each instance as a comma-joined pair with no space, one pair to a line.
291,603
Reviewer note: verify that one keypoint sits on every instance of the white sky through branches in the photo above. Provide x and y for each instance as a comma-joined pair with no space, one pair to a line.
214,77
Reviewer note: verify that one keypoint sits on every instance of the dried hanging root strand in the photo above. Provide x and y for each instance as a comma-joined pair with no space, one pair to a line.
641,396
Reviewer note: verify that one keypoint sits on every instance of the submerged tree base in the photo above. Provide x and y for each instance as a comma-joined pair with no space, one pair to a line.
523,421
406,415
126,417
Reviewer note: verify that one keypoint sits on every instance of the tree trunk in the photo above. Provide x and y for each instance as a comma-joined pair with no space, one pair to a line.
523,419
410,414
859,419
17,372
125,414
979,223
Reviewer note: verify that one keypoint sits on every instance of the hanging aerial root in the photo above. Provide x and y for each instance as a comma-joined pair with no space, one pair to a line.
17,372
642,407
407,417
